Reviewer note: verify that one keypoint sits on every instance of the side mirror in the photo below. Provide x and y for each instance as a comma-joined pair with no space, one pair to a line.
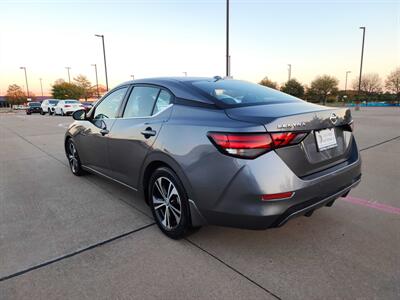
79,115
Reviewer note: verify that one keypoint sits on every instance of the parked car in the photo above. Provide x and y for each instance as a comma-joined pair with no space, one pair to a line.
217,151
33,107
67,107
87,105
48,106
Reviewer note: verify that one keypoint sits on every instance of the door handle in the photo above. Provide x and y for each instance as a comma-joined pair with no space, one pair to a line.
148,132
104,132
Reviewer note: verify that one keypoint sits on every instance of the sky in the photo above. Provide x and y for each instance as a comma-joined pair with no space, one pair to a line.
166,38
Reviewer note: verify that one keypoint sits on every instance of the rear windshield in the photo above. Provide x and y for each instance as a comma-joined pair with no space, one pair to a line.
71,101
34,104
234,93
53,101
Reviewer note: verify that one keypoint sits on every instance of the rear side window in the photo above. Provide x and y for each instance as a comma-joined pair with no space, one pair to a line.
164,99
141,102
241,93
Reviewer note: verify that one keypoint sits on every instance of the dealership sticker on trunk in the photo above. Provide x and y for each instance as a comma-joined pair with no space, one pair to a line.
326,139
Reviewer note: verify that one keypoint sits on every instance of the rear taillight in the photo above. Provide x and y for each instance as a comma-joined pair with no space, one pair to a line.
252,145
67,105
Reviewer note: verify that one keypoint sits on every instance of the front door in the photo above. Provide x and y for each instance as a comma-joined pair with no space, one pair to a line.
94,150
132,136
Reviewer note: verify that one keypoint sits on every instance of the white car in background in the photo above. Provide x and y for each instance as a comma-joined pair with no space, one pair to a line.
67,107
48,106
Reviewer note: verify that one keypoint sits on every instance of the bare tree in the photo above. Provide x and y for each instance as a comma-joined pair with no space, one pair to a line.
392,83
370,83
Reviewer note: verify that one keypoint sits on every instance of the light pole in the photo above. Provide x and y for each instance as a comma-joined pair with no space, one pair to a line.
345,85
185,73
104,54
69,77
362,57
97,81
41,86
289,72
228,58
133,77
26,81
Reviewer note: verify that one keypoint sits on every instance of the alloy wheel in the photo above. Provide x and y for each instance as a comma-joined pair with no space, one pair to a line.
73,158
167,203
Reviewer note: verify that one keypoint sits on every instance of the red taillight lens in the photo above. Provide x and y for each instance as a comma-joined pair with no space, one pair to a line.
251,145
67,105
242,145
278,196
282,139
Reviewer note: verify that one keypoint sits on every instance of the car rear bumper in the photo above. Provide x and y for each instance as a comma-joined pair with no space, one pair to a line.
241,204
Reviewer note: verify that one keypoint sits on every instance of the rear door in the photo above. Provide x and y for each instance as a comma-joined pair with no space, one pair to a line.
94,137
132,135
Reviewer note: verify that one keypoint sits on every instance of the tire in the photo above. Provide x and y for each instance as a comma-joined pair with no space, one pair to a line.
169,203
49,111
28,113
62,113
73,159
42,112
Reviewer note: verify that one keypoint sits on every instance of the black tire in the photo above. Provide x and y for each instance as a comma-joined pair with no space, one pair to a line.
73,159
62,113
42,113
28,113
49,111
176,202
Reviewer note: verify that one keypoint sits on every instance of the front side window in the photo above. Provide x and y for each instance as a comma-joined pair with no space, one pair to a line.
108,107
141,101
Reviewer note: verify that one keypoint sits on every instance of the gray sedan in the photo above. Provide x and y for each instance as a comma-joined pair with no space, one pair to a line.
217,151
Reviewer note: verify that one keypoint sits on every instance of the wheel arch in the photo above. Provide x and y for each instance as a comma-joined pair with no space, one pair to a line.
157,160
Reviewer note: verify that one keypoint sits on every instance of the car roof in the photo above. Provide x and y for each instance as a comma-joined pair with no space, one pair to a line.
179,86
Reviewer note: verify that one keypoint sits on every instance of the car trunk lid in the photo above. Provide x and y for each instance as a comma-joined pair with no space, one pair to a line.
309,156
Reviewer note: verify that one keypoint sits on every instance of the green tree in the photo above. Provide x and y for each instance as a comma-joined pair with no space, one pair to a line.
323,86
392,83
15,95
64,90
87,90
294,88
268,83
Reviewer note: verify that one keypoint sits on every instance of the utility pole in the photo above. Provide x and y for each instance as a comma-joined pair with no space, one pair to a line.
289,72
69,77
41,86
345,85
361,65
26,81
228,58
104,55
97,80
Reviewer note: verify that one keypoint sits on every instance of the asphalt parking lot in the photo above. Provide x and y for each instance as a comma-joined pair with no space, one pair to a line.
67,237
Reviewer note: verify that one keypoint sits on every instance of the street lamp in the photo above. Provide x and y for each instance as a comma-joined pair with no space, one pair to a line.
362,57
289,72
228,58
133,77
69,77
97,81
185,73
345,85
41,86
104,54
26,81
